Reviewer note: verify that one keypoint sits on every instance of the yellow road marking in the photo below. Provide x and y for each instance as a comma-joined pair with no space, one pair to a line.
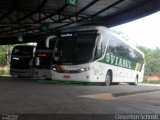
109,96
102,96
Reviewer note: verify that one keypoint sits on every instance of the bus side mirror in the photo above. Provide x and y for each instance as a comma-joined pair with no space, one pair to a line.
48,40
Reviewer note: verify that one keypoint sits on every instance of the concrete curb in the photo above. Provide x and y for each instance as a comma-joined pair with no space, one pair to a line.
133,93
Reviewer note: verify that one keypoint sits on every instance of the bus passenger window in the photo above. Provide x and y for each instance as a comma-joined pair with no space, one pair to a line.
98,52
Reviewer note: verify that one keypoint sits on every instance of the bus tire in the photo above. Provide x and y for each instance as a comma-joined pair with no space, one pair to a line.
108,79
135,82
115,83
31,73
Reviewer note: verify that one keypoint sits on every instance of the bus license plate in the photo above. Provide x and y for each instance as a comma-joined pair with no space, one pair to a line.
66,76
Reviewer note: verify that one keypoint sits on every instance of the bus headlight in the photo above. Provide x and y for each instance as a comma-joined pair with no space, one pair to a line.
87,76
86,69
82,70
54,69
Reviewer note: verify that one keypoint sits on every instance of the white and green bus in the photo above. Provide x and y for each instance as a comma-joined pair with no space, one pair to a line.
94,54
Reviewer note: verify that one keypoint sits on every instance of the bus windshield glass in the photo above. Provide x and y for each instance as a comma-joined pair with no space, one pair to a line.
75,47
44,54
22,50
21,57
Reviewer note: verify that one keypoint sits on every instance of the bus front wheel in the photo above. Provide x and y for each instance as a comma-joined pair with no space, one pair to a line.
108,79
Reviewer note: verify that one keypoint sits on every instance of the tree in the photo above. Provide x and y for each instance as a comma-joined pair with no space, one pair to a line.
5,51
152,60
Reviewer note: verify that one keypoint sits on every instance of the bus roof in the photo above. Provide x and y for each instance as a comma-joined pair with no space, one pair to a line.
83,28
19,46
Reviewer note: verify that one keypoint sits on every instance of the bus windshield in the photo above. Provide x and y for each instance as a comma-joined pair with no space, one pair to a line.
21,57
43,55
75,47
22,50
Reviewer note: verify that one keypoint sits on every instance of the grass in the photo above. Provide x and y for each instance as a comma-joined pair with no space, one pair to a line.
4,72
153,81
70,83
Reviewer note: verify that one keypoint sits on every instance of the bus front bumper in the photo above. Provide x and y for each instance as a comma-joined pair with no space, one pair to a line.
20,72
87,76
42,74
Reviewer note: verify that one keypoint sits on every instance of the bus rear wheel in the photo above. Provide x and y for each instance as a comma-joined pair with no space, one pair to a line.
108,79
135,82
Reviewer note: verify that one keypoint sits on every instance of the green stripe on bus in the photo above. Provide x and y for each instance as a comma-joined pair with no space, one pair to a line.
119,61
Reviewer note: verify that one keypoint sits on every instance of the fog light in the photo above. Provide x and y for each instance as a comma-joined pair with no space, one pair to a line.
87,76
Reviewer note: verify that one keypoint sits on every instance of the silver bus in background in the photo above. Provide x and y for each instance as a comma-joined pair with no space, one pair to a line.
43,58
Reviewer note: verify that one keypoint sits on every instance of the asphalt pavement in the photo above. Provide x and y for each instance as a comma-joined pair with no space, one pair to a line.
27,96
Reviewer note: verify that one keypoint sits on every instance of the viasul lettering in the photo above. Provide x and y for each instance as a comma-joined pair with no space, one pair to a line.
118,61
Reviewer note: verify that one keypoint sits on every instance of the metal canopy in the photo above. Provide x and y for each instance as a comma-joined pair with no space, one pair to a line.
27,17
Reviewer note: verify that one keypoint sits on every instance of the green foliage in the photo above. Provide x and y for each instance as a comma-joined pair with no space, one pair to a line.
3,60
152,60
4,72
154,81
5,51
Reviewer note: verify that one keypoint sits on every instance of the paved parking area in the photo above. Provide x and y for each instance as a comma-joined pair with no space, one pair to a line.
30,96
